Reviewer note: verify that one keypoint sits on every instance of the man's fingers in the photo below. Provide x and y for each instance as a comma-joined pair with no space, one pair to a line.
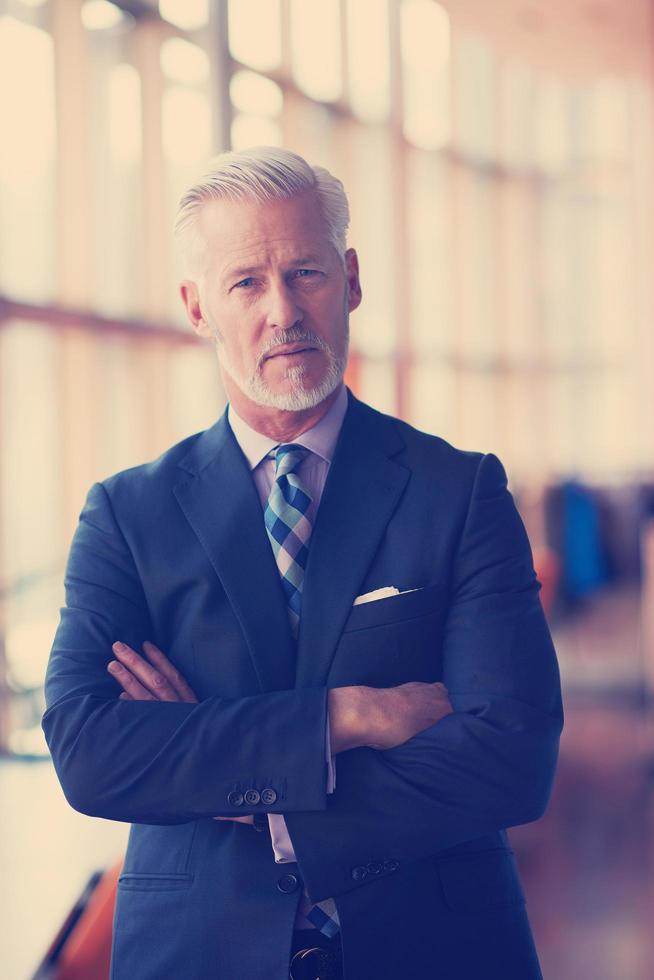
161,663
125,697
153,681
131,686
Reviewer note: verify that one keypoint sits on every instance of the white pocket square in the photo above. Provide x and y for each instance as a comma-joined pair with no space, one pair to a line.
384,593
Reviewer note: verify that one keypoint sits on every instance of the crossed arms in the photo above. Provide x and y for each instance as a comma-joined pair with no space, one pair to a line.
485,765
358,715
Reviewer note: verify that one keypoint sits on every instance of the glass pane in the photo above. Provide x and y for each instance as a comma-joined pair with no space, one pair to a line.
432,398
27,162
556,120
477,421
425,44
368,54
520,438
316,48
309,129
475,97
604,412
100,15
517,104
477,259
431,271
116,135
194,369
563,393
376,384
369,187
187,14
607,122
31,483
186,125
518,236
254,33
255,131
184,62
254,94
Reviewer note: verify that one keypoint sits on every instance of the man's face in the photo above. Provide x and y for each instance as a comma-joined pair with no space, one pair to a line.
276,297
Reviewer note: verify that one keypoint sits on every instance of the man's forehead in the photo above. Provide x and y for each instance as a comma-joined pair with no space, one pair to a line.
237,231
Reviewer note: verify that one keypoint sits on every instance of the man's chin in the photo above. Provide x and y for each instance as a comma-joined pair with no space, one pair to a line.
292,397
296,391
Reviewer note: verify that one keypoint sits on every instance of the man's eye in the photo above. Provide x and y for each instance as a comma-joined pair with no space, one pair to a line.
244,283
305,273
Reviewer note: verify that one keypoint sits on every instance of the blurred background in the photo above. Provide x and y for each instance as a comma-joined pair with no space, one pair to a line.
498,158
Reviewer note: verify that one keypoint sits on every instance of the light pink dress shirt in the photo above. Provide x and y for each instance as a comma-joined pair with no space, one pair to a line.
321,441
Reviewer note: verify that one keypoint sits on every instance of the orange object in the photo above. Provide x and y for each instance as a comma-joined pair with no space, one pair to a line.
548,572
87,952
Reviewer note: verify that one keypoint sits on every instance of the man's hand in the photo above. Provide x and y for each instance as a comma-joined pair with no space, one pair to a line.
382,718
153,679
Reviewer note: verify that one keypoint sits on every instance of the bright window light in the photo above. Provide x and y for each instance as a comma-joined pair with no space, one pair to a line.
255,131
186,126
255,95
184,62
254,33
27,161
189,15
368,58
125,115
316,48
425,45
425,29
100,15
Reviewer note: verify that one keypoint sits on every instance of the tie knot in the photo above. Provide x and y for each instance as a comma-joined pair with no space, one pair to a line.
288,457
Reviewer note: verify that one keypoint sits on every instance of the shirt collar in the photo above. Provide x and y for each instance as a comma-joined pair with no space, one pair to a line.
320,438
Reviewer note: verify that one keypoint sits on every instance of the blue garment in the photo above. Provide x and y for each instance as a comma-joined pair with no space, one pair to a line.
584,562
412,844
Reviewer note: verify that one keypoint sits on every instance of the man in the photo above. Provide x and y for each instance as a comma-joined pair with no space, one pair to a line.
337,684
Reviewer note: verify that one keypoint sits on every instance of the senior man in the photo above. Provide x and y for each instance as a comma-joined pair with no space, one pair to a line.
303,652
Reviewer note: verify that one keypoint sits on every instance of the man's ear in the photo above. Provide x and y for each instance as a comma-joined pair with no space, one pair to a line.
191,300
352,276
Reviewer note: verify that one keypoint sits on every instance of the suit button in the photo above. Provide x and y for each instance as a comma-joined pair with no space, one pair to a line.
359,873
375,868
268,796
235,798
252,797
391,865
288,884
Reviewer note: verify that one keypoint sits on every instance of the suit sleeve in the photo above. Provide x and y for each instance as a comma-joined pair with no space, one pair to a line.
487,766
162,762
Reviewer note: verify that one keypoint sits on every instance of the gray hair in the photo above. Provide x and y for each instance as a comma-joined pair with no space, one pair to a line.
263,173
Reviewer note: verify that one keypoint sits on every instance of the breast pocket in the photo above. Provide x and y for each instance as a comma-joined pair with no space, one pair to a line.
407,605
390,641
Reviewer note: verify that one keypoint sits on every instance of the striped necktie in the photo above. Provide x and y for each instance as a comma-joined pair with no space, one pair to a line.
287,525
289,531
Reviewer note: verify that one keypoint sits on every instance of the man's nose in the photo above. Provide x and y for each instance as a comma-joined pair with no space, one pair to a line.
283,308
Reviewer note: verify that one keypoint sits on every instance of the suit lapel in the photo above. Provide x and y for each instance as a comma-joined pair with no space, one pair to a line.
363,488
220,501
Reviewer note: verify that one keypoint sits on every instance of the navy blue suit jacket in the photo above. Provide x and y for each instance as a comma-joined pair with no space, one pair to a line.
412,844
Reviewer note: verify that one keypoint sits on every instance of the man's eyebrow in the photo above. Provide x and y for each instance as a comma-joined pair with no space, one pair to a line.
308,260
248,270
242,271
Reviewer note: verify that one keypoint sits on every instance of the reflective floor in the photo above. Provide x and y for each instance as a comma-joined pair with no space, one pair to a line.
587,866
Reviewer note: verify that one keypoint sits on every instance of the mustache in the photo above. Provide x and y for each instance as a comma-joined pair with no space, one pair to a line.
292,335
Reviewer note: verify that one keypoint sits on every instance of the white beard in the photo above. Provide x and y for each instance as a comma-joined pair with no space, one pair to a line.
298,398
